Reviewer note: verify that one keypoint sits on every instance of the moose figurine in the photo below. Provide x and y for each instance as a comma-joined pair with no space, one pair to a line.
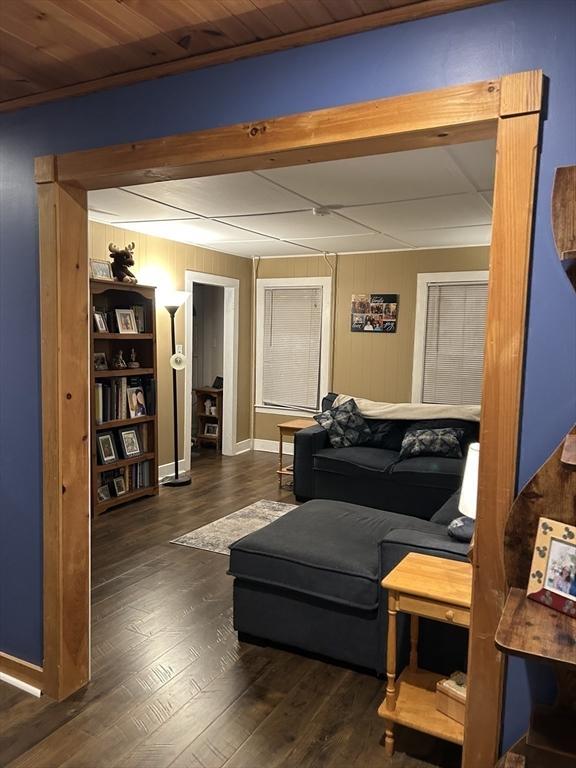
122,258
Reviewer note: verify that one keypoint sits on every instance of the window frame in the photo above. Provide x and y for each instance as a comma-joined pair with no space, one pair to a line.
325,283
423,282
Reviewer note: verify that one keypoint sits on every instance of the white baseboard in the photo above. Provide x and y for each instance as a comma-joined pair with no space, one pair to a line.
165,470
243,447
272,446
20,684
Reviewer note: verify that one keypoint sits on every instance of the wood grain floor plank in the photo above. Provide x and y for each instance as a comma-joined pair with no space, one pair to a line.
172,687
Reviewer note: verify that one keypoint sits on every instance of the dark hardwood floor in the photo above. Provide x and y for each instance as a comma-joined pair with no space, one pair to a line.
171,685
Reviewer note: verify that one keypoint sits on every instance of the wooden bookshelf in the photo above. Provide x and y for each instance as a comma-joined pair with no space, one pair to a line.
214,396
107,296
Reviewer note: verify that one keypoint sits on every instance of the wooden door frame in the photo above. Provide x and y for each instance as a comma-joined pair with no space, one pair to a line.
508,109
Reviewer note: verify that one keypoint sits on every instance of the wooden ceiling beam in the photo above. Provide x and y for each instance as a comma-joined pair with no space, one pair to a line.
383,18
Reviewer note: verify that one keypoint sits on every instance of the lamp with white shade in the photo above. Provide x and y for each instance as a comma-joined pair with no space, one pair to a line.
172,301
469,492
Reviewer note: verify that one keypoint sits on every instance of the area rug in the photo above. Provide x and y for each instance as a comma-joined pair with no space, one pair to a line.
217,536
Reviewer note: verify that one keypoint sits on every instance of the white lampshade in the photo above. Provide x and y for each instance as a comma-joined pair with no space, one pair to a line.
469,492
172,298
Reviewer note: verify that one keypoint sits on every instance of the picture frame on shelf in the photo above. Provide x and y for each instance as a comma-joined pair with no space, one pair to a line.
126,321
103,492
119,486
100,323
218,383
130,442
100,361
139,316
101,270
106,448
553,573
136,402
211,430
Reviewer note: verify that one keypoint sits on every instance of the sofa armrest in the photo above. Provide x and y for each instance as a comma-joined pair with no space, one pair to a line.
400,542
306,443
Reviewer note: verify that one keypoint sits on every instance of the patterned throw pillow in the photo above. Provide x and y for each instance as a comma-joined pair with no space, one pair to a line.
345,425
432,442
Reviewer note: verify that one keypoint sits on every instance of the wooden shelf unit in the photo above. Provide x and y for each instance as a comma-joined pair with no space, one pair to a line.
105,296
215,396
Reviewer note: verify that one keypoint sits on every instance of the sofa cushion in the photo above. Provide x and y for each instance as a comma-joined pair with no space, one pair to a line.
354,462
324,549
448,511
386,433
432,442
345,425
429,471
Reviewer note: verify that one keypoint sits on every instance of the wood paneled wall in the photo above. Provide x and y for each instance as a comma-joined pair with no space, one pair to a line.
376,366
158,260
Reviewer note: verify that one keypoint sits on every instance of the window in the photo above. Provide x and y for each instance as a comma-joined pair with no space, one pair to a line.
449,338
292,344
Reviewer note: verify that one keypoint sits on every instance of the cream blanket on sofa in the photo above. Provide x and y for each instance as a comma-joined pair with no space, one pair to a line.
411,411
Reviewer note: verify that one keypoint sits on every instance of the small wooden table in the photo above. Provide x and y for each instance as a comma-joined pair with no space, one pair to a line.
437,589
288,429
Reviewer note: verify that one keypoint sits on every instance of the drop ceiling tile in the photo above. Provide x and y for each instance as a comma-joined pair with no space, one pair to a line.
355,243
264,248
477,160
225,195
448,211
456,236
295,226
196,231
114,205
376,179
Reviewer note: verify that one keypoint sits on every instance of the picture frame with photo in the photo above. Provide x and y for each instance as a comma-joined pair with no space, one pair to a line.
100,361
136,402
553,573
100,322
126,321
119,485
211,430
374,313
130,442
103,492
106,448
101,270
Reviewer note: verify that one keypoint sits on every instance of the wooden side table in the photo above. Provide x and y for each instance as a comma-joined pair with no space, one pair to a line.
288,429
437,589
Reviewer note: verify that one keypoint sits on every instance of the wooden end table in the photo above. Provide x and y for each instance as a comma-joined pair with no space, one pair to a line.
434,588
288,429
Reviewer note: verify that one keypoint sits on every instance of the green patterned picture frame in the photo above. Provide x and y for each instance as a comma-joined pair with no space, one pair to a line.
553,572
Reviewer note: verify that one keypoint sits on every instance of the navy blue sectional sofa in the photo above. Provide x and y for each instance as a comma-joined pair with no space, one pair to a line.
373,475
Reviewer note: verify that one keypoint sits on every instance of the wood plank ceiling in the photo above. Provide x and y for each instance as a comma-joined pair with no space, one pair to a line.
52,49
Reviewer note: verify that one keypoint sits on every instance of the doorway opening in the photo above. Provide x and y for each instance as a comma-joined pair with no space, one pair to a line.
211,354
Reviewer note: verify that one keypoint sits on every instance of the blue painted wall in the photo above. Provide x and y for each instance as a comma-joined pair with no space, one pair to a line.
469,45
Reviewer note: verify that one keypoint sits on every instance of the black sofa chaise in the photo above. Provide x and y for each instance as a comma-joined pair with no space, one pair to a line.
373,475
311,581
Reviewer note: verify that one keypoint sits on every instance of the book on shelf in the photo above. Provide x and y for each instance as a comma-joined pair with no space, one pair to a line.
124,397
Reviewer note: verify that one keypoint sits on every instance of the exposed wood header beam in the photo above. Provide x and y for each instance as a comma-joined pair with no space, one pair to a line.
385,125
416,10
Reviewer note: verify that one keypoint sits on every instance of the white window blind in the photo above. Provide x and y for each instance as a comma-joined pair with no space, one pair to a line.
292,337
454,345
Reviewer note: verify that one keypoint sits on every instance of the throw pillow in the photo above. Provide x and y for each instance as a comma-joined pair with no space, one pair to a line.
431,442
345,425
461,529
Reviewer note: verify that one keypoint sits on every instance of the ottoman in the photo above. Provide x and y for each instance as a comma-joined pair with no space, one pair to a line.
311,580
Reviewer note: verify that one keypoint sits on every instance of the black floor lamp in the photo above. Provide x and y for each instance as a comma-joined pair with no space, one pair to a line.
172,302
